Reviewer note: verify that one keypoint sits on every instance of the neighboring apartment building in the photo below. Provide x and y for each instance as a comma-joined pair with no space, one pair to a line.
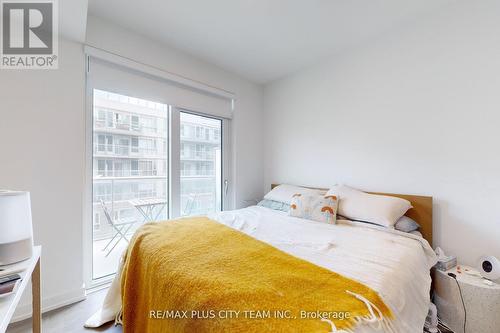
130,161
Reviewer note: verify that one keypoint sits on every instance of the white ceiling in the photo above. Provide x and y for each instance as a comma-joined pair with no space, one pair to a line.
261,40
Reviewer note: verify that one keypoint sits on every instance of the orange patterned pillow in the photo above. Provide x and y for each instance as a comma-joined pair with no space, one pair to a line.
314,207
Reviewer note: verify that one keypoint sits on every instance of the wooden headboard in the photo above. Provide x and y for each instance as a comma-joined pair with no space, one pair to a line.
421,211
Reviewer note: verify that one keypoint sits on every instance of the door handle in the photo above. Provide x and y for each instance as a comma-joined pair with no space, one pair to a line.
226,187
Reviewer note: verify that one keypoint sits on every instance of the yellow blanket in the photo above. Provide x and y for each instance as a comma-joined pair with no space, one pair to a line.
196,275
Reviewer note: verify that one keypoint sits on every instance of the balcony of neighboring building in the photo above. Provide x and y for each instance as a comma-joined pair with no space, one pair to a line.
113,120
211,140
101,126
128,174
204,156
128,151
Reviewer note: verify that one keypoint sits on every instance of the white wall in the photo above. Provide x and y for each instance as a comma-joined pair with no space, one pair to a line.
42,145
416,111
42,151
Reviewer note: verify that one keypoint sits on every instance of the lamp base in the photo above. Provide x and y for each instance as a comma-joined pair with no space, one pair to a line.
11,253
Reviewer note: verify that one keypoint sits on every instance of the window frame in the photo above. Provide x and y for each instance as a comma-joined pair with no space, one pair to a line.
227,200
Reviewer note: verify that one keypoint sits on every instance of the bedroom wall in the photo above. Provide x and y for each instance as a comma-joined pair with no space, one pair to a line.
42,151
413,111
42,146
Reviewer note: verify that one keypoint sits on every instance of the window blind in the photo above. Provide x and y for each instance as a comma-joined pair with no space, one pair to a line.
124,76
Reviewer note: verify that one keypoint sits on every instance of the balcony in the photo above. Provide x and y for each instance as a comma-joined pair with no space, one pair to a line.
124,216
131,128
185,174
115,150
132,174
197,156
198,139
106,251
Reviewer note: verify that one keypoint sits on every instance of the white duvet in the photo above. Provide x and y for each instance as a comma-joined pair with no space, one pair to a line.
394,264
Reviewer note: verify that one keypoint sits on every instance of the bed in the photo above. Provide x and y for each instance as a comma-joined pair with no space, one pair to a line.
396,265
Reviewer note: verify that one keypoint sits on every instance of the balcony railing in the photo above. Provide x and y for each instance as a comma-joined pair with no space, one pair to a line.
198,156
194,138
117,192
128,173
126,150
126,126
197,174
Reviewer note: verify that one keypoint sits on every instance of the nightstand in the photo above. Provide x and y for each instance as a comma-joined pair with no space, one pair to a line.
482,302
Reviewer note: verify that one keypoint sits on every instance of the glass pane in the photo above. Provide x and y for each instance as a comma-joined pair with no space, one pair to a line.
130,184
201,164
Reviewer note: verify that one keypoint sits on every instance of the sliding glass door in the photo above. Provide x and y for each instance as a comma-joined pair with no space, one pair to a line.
131,170
156,150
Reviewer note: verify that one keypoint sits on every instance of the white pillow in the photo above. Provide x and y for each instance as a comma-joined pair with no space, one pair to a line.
379,209
284,192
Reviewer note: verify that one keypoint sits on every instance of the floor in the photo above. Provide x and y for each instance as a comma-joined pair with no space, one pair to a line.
69,319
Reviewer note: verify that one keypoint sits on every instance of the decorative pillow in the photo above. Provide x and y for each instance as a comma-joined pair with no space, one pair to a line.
284,192
378,209
314,207
276,205
406,224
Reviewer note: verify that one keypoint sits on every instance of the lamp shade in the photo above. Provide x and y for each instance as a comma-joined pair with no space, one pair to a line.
16,230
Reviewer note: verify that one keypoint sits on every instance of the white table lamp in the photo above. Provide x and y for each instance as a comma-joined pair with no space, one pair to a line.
16,230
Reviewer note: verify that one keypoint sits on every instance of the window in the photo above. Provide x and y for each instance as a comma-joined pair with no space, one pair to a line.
147,146
109,143
122,121
199,151
134,144
123,147
146,168
101,167
149,149
134,167
118,168
109,119
101,118
101,142
109,168
149,125
135,123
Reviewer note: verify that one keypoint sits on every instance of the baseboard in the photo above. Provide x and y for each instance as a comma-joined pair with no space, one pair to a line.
50,303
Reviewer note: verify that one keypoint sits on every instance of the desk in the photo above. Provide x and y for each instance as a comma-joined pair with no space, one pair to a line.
8,304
